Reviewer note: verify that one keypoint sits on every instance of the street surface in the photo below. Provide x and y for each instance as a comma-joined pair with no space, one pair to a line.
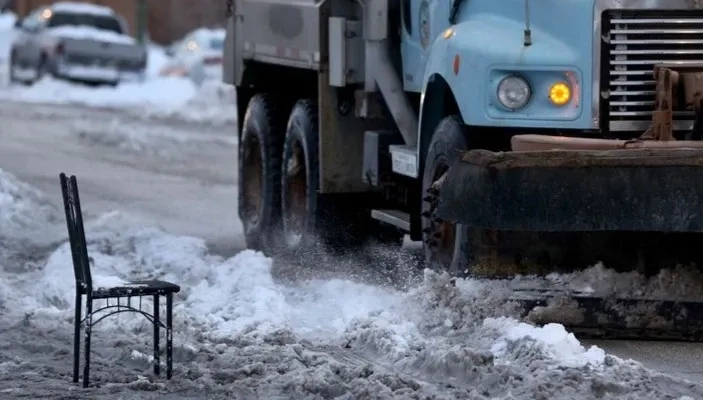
181,176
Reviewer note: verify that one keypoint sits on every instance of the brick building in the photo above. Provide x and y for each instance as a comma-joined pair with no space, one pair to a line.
168,20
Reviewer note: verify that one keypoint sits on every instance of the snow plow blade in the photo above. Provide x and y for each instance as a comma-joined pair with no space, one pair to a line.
559,184
636,186
616,318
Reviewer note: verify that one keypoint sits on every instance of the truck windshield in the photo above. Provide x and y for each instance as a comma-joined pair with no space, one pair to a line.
103,22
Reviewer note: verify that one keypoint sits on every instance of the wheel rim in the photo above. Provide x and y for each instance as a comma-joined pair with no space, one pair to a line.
440,235
295,196
252,183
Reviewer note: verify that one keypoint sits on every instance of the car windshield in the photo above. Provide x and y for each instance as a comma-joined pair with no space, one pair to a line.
103,22
217,43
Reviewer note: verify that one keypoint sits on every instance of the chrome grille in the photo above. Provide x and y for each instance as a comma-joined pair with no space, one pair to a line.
636,41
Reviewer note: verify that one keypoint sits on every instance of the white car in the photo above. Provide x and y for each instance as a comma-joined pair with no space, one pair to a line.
197,56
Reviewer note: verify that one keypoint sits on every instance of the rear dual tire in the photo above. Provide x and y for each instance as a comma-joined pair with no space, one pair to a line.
260,149
279,202
300,178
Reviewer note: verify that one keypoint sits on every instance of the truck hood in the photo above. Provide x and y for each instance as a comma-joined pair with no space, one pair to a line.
89,33
561,29
492,33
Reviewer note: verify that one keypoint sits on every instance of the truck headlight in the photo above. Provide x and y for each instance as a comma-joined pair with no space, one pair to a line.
514,92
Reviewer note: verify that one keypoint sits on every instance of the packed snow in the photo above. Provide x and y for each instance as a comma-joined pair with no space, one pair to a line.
242,331
153,140
82,8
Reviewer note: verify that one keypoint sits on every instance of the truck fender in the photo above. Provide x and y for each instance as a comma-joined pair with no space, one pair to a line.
437,99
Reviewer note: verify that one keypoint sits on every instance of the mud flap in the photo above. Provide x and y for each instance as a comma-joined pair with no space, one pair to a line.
577,190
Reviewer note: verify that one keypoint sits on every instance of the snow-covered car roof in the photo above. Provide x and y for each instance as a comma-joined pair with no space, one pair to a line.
82,8
209,32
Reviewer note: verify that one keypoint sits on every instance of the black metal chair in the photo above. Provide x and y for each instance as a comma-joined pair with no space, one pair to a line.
84,286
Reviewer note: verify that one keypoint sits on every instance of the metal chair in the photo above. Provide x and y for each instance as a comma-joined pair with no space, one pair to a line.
130,291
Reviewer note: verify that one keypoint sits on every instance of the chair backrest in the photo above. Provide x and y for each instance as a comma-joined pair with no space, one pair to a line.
76,233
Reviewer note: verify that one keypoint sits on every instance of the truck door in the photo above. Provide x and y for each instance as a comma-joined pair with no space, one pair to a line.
411,49
423,20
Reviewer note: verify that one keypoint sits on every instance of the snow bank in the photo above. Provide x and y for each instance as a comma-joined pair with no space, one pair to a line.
7,21
156,59
166,92
29,228
436,332
28,220
213,103
240,330
25,209
165,97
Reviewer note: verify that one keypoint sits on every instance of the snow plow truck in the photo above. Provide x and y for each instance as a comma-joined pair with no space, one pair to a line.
511,137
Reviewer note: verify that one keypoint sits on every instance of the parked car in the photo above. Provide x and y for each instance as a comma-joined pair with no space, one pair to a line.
197,56
75,41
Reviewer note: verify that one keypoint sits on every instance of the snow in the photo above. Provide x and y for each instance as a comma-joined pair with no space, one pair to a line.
91,33
241,329
106,282
551,338
156,59
165,97
7,20
28,220
82,8
168,93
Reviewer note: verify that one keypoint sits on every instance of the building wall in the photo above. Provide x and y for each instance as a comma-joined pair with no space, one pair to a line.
168,20
172,19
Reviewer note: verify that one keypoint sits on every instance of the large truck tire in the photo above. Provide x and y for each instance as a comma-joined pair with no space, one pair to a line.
446,245
300,177
260,149
311,222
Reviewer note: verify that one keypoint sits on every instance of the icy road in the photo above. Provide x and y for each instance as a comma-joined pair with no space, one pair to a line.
160,192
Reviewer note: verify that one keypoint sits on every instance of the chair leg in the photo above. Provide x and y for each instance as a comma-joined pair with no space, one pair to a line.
88,329
169,335
77,336
157,322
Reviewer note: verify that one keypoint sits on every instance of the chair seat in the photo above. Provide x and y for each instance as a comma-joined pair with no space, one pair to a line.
137,288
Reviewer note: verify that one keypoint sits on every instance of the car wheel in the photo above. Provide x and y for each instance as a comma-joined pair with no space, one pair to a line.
12,69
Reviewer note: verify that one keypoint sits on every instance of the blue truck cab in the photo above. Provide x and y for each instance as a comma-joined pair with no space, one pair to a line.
578,65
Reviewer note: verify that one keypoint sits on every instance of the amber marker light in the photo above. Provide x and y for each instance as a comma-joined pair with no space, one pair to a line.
560,94
449,32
